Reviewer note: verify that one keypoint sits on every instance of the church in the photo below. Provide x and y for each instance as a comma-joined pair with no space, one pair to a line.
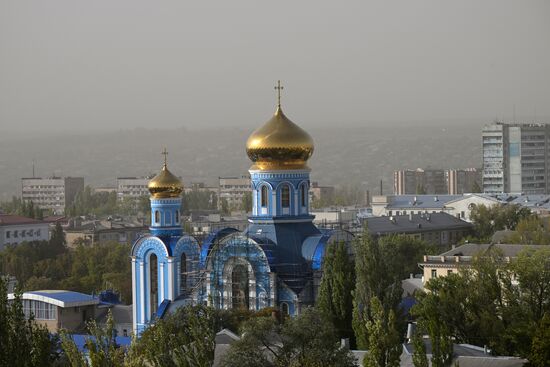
275,262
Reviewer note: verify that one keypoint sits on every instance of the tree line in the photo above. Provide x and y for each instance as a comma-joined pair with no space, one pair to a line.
52,265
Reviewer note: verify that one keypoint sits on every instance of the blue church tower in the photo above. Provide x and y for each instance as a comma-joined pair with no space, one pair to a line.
275,262
165,261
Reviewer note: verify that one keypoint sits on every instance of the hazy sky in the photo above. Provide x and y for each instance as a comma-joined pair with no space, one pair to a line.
104,64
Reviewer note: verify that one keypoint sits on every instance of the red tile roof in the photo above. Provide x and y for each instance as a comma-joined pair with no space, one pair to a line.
9,219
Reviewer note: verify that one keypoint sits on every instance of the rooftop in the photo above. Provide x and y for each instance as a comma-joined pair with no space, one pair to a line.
414,223
9,219
60,298
465,253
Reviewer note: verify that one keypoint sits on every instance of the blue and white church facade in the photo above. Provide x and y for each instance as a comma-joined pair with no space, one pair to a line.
275,262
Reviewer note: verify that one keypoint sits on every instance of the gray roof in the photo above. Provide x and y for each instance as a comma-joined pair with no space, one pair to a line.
421,201
414,223
508,250
466,355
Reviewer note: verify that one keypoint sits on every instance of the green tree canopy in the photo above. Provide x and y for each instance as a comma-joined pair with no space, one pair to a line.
23,343
489,219
185,338
335,294
307,340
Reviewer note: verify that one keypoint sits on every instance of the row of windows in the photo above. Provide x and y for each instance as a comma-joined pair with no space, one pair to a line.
167,217
285,196
40,310
24,233
434,272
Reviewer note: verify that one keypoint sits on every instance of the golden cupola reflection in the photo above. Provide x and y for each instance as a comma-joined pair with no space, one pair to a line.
279,144
165,184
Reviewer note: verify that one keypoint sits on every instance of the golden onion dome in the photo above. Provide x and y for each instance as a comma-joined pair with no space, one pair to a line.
279,144
165,184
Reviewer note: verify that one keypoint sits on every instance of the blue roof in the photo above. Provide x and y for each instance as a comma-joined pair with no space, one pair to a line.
80,341
61,298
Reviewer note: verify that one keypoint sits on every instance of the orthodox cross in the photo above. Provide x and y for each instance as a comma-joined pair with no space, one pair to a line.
279,88
165,154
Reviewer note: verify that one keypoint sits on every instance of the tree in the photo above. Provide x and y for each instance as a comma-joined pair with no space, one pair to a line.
384,348
224,206
475,188
530,231
246,203
431,313
378,274
488,220
307,340
420,190
493,303
23,343
57,240
335,294
103,351
185,338
420,359
540,346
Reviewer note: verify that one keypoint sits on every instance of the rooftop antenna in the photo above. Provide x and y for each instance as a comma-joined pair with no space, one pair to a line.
514,113
381,191
33,162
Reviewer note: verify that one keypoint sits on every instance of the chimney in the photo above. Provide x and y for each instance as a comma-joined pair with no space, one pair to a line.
344,343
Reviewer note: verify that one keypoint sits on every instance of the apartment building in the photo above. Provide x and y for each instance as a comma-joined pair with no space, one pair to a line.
132,187
516,158
233,189
53,193
435,181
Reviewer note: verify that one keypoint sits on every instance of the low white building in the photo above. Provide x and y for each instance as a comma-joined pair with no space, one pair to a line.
459,206
462,207
15,229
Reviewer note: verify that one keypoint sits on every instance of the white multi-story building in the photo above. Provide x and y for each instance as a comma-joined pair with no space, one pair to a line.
233,189
53,193
132,187
15,229
516,158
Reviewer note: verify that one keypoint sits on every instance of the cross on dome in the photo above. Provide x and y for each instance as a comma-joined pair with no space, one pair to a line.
279,88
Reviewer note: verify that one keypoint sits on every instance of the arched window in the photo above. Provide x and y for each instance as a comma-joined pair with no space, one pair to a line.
284,308
303,194
177,215
285,196
157,216
183,273
263,194
239,287
153,284
167,218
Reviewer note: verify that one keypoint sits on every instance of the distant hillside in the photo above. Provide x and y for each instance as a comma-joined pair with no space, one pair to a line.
342,155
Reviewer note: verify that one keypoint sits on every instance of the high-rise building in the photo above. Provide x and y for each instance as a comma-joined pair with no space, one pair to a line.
419,181
461,181
435,181
132,187
53,193
516,158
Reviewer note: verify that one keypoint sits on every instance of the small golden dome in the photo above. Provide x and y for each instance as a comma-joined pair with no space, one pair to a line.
279,144
165,185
